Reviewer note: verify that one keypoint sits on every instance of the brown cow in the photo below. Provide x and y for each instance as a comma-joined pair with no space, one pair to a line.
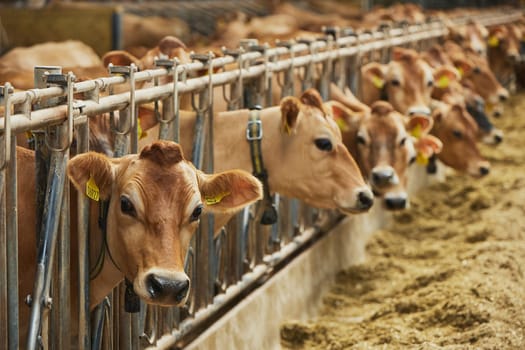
456,128
155,200
406,82
504,53
383,149
302,151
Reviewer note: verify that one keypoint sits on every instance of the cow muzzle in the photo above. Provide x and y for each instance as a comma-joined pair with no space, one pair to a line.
363,199
383,177
396,201
163,287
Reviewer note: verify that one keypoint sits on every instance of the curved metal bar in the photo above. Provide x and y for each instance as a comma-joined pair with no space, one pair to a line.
6,92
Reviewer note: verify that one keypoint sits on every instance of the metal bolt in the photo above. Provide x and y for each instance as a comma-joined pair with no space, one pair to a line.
48,302
29,300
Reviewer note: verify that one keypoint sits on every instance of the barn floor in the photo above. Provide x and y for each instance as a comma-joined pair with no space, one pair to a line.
447,274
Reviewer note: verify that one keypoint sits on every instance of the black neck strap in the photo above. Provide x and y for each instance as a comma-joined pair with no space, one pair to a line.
131,299
254,135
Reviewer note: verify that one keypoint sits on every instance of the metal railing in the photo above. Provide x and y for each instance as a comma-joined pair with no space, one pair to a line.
221,269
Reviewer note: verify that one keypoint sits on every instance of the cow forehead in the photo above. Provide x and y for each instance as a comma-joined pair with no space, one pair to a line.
410,70
173,188
319,118
381,126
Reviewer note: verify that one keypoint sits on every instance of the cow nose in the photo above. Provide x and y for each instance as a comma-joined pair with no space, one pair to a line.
365,200
484,170
382,177
419,110
161,288
497,114
498,139
395,203
503,97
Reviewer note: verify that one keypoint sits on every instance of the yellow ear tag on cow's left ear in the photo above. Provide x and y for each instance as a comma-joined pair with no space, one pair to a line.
216,199
378,82
460,71
416,131
443,82
493,41
421,159
92,190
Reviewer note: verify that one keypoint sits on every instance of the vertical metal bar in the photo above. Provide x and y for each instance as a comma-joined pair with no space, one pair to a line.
83,251
3,264
12,248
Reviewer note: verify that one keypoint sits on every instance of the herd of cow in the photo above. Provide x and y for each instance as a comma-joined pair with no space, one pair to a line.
335,154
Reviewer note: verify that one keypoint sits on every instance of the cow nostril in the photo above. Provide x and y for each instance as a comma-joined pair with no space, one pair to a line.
498,138
181,290
154,286
366,199
497,114
503,98
483,170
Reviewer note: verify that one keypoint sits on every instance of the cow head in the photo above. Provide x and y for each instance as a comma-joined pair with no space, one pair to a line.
456,128
383,149
326,175
504,43
406,82
477,75
155,201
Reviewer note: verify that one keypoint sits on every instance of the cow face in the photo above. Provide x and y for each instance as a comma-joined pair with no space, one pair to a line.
155,201
504,42
454,126
477,75
382,147
326,175
406,82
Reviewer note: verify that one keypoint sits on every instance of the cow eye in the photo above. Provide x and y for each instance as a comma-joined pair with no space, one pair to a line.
195,215
476,70
324,144
361,140
402,142
412,160
127,207
395,82
457,134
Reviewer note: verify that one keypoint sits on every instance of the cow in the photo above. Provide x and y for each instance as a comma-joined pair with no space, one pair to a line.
383,149
456,128
155,201
406,82
448,88
302,150
504,43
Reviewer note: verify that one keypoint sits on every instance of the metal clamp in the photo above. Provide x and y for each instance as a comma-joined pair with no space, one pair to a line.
258,135
129,72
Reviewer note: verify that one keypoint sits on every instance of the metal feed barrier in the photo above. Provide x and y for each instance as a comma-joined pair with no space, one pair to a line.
222,270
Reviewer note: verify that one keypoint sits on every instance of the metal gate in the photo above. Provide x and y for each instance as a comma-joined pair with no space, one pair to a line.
222,270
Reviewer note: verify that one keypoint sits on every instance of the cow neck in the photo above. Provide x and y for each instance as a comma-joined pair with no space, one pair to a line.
254,135
131,300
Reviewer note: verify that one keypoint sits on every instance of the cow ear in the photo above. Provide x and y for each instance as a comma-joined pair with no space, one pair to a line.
444,75
374,73
290,108
495,36
120,58
343,116
419,125
463,66
92,174
229,191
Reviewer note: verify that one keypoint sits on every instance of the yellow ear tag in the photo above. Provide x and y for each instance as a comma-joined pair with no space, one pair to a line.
421,159
378,82
286,127
416,131
92,190
217,199
341,122
443,82
141,134
493,41
460,71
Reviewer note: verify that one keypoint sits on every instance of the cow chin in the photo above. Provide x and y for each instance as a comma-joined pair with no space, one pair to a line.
162,287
